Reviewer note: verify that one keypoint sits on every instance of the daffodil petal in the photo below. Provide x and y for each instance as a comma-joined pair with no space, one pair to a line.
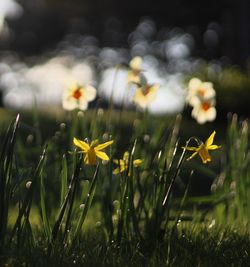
213,147
69,104
90,93
133,78
123,167
119,162
190,148
116,171
81,144
82,104
119,169
210,139
102,146
193,155
136,63
137,162
101,155
116,161
126,156
194,83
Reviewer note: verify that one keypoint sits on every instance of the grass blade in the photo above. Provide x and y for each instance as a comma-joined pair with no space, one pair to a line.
47,228
87,205
64,180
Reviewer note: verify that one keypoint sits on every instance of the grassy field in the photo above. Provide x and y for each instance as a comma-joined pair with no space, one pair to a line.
156,209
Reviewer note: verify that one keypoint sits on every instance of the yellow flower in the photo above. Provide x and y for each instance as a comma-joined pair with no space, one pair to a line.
203,149
145,94
78,97
123,163
93,150
134,72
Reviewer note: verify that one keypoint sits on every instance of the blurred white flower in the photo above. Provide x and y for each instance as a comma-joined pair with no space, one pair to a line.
78,97
8,9
170,97
43,84
204,111
145,95
199,91
114,86
201,96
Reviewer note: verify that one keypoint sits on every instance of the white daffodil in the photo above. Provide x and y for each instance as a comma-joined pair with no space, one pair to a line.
145,95
199,91
204,111
78,97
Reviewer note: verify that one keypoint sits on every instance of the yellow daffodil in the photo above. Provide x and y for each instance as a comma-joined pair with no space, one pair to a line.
123,163
93,150
145,94
134,73
204,111
203,149
78,97
199,91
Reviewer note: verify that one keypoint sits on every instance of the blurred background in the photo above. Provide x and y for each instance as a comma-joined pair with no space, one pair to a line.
46,44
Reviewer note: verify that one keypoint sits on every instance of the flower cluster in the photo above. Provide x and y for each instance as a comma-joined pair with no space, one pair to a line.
93,151
201,96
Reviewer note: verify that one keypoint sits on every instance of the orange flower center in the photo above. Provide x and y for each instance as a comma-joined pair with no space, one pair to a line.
205,106
77,94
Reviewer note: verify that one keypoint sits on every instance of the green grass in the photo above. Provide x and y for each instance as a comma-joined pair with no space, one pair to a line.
182,247
155,215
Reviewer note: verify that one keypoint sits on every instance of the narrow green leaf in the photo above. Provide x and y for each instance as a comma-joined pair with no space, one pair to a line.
64,180
47,228
87,205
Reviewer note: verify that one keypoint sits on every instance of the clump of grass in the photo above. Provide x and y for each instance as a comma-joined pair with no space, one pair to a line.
234,181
